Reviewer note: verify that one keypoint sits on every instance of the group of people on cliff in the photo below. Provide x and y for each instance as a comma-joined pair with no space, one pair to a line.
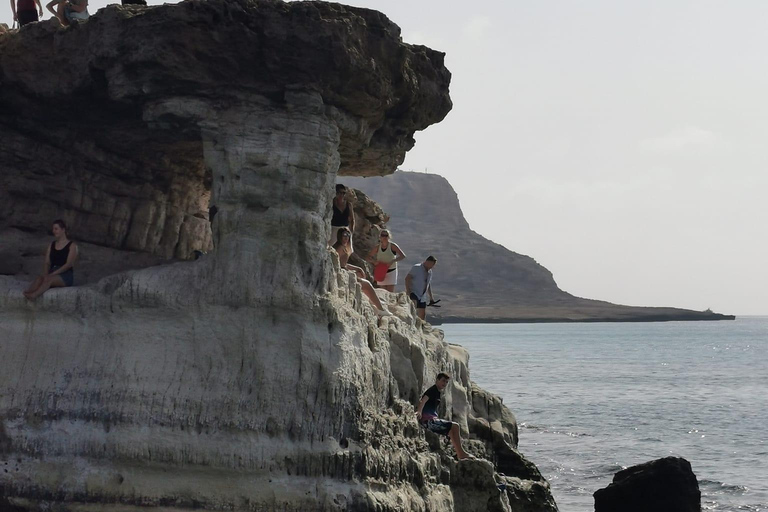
384,257
66,11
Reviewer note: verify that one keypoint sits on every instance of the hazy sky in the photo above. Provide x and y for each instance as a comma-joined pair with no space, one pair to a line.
620,144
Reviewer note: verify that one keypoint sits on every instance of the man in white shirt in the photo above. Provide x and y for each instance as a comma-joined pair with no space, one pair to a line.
418,285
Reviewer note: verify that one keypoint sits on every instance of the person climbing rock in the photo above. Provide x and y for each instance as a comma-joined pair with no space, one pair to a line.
418,285
60,258
24,11
344,250
426,414
343,215
384,257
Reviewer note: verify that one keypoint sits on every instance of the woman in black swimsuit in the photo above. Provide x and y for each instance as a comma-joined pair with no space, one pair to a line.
59,264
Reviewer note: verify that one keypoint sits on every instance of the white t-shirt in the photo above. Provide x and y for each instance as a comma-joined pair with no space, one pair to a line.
421,278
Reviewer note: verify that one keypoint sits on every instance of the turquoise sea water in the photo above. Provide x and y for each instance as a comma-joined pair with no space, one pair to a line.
591,399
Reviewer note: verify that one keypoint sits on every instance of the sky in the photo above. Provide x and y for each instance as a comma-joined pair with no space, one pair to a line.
620,144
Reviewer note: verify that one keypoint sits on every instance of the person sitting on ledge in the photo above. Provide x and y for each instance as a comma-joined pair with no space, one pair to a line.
69,10
59,264
342,246
426,414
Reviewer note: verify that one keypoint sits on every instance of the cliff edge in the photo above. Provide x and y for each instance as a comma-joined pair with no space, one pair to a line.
257,377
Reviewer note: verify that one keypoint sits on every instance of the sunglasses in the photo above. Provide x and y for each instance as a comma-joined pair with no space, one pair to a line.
384,236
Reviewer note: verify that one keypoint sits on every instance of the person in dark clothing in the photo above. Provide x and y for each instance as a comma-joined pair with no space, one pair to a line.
426,414
24,11
59,266
343,215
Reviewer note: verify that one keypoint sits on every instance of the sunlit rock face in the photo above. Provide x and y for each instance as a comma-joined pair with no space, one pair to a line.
257,377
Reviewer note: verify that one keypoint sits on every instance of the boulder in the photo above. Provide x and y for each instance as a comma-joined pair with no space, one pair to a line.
662,485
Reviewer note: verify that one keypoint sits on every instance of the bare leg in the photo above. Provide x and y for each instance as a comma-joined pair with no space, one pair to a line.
455,436
389,287
48,282
357,270
34,285
422,313
371,293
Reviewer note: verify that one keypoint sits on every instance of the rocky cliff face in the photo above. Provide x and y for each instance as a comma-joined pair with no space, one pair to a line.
258,377
477,279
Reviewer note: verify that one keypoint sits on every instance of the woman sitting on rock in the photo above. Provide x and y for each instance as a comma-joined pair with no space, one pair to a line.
342,246
59,263
385,257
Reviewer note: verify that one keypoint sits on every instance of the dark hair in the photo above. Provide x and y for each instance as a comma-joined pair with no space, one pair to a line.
340,188
432,259
340,235
61,224
442,375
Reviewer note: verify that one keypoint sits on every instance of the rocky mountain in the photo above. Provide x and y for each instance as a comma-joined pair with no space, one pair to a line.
477,279
258,377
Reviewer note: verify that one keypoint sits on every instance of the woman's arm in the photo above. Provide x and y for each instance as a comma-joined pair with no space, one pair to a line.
13,9
71,257
39,7
400,256
50,6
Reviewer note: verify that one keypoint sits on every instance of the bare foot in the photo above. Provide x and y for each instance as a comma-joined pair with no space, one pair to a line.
467,456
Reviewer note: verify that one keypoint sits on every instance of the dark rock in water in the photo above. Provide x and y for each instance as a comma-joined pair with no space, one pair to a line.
663,485
134,2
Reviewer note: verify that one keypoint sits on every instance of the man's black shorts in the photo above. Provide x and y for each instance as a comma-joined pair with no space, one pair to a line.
419,304
438,426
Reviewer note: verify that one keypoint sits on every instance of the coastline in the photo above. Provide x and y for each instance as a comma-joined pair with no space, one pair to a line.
560,320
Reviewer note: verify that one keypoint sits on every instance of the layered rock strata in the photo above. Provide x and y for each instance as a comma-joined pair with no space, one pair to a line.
258,377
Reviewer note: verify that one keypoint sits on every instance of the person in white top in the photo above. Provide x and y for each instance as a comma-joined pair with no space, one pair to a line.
418,285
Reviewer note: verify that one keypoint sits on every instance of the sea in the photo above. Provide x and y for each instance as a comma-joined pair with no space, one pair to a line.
591,399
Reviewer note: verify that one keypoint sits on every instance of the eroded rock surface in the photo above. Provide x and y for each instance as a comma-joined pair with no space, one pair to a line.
258,377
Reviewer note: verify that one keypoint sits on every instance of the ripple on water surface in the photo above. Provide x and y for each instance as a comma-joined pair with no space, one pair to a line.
592,399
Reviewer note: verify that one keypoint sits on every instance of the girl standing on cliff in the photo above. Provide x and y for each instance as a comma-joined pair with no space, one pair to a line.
344,248
59,263
24,12
385,256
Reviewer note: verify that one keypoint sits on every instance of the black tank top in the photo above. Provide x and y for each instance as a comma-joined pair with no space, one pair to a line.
59,257
340,218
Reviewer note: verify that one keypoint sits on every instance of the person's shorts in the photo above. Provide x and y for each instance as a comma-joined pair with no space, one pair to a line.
73,15
438,426
68,277
391,278
419,304
26,17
